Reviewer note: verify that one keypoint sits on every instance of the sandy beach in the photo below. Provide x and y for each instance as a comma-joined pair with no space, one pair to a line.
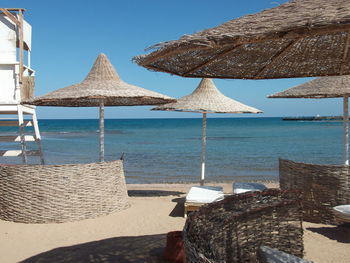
138,233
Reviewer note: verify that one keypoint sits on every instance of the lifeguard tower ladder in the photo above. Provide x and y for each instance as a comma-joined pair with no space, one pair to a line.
17,84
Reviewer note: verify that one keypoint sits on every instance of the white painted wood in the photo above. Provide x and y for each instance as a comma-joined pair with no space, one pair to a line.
11,153
10,57
36,127
29,57
27,138
20,110
27,35
28,71
17,83
21,132
12,70
9,63
7,83
11,108
17,153
38,137
7,39
346,129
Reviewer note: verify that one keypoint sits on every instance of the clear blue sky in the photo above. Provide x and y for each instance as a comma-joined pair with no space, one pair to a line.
69,34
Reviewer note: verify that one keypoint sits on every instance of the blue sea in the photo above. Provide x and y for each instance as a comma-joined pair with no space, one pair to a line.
168,150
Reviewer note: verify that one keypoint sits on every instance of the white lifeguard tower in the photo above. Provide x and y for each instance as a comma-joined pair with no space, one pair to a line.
17,83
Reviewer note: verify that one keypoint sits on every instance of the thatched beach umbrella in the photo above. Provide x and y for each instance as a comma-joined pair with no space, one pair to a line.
206,98
101,87
325,87
300,38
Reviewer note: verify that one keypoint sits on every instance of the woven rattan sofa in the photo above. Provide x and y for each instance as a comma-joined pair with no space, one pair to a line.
323,187
61,193
232,230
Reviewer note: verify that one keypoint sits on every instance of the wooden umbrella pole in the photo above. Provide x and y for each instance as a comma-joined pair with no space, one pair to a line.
102,131
204,142
346,129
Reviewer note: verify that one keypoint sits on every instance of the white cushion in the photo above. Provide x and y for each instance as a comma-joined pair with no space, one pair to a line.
205,194
239,188
344,209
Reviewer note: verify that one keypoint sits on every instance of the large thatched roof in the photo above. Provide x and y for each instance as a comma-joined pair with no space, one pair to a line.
296,39
102,83
325,87
206,98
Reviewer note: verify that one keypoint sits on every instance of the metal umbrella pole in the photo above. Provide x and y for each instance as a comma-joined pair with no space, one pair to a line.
204,142
102,131
346,129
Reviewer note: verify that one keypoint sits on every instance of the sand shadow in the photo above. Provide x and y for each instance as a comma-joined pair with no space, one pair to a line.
150,193
178,210
340,233
119,249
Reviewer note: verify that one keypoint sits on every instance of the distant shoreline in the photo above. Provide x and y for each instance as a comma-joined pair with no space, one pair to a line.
313,118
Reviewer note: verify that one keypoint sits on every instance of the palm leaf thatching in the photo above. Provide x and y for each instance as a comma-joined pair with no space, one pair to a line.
101,84
300,38
325,87
206,98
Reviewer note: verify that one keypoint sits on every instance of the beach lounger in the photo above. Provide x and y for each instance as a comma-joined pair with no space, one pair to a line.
342,213
200,195
241,187
270,255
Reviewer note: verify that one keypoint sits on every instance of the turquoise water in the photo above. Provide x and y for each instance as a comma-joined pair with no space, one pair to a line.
168,150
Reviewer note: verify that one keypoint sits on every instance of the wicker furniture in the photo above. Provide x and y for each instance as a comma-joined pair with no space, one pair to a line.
61,193
323,186
233,229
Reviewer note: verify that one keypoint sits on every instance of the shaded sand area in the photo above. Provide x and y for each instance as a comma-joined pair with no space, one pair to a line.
137,234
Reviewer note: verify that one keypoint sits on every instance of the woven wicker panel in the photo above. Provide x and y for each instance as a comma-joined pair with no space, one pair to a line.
323,186
232,230
27,88
61,193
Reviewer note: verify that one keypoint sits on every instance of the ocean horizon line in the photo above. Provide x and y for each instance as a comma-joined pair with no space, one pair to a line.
208,117
174,118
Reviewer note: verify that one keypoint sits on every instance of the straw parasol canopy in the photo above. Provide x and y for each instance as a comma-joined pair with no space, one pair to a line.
300,38
206,98
325,87
101,84
101,87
